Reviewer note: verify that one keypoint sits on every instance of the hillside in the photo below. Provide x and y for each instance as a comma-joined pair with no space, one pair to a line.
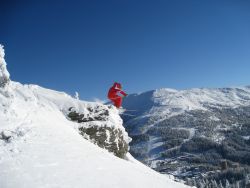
198,135
49,139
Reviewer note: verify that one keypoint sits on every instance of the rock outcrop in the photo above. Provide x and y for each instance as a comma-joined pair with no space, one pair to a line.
94,126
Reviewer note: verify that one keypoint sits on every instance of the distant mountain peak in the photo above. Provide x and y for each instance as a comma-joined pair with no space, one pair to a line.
172,100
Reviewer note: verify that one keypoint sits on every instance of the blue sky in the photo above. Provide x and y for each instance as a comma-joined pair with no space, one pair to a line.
85,46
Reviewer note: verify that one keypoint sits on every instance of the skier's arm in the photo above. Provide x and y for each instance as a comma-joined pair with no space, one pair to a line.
123,93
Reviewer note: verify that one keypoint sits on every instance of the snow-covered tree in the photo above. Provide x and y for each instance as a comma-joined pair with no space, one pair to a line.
200,184
247,180
227,184
4,74
220,185
214,184
237,184
76,95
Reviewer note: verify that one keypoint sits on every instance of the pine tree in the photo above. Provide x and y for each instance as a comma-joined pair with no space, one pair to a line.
247,181
220,185
206,183
227,184
237,184
194,183
200,184
214,184
189,182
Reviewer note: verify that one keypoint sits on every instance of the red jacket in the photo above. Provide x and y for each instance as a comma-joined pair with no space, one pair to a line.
115,91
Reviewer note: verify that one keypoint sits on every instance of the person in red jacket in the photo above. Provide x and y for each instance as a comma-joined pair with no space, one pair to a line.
116,94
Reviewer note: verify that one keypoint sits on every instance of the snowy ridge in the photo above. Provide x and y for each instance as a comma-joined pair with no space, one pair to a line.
21,96
170,102
173,102
196,98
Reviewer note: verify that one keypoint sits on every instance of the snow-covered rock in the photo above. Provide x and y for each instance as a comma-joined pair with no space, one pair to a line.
99,123
94,126
5,135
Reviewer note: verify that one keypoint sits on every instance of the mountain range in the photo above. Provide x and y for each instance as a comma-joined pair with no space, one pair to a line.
201,135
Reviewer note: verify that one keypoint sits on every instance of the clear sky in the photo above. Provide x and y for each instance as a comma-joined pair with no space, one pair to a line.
86,45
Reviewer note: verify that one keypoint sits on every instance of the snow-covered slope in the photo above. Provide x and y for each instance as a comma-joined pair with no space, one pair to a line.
165,103
41,148
45,150
170,102
186,132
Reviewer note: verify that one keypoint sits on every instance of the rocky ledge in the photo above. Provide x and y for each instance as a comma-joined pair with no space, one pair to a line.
96,126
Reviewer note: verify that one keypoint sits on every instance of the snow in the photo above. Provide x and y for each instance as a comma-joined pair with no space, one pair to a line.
246,137
77,95
167,102
154,108
173,102
40,147
3,70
